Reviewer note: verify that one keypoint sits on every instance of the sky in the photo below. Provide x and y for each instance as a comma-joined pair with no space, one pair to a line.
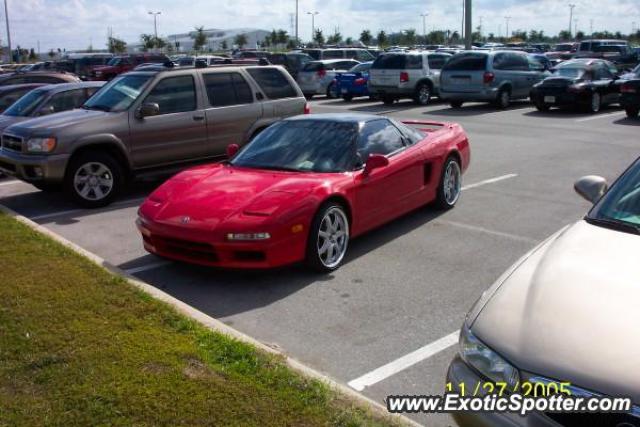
75,24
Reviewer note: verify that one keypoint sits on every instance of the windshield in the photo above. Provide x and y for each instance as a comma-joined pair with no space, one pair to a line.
118,94
302,145
571,72
26,105
562,47
621,204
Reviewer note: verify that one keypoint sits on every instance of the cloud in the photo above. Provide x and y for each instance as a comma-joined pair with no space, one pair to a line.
74,24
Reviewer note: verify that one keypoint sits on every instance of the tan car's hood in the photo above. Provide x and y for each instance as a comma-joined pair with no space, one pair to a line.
571,311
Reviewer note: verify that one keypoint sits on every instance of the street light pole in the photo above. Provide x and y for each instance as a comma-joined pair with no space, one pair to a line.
468,30
6,15
507,19
155,23
424,26
571,6
313,23
297,22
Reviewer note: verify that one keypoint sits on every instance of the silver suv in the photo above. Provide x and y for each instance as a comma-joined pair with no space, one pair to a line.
317,77
413,75
144,121
492,76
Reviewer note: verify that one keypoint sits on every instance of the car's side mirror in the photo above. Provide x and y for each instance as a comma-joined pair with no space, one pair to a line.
375,161
45,111
591,187
147,109
232,150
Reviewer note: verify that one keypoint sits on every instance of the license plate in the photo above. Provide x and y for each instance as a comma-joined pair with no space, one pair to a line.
345,91
550,99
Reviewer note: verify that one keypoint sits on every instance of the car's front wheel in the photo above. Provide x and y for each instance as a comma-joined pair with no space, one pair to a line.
388,100
504,99
423,94
632,112
332,91
94,179
450,185
328,238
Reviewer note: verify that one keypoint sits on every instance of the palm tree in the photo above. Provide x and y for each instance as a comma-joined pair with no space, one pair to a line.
199,38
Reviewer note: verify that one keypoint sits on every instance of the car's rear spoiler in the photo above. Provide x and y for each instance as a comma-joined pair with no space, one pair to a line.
427,126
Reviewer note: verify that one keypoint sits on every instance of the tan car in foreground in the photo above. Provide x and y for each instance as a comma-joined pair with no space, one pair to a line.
566,312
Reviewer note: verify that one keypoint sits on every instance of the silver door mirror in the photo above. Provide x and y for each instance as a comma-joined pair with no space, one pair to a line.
591,187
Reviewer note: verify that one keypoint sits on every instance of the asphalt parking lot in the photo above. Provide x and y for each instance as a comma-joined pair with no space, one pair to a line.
386,322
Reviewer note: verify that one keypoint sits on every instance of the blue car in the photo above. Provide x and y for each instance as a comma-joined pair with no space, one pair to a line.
354,82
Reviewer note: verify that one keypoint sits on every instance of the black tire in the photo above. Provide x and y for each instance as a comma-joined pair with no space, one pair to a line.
632,112
309,96
347,98
443,201
503,100
312,258
541,106
456,104
422,95
93,161
595,103
388,100
332,91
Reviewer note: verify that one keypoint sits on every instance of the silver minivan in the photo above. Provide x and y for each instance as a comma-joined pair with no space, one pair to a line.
317,77
489,76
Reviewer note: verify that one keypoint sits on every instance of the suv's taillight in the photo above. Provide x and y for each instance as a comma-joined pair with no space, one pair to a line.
404,77
628,88
307,108
321,73
488,77
359,82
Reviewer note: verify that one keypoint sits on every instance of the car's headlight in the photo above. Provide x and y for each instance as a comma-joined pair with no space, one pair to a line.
485,360
41,145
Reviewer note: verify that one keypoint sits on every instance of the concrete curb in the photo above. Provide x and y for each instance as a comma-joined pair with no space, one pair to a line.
214,324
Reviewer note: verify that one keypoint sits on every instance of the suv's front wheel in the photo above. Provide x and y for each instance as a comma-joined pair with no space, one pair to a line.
94,179
423,94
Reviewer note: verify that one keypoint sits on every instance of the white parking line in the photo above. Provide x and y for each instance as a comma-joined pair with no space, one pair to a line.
146,267
601,116
487,231
404,362
489,181
74,211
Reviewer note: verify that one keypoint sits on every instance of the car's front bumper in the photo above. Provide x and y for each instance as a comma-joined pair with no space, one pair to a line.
459,372
199,247
33,168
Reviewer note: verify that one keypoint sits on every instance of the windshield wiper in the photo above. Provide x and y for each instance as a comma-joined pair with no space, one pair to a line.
614,224
97,107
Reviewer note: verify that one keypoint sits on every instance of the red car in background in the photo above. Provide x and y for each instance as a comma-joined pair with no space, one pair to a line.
122,64
302,188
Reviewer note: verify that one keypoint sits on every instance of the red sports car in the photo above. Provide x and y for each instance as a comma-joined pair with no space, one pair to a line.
302,188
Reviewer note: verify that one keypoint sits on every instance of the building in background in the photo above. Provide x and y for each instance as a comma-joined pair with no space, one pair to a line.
216,39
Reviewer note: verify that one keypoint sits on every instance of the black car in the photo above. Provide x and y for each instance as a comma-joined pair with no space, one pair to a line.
587,84
630,93
292,61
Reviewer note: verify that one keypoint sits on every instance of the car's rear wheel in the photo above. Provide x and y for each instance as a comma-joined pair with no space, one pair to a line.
347,98
541,106
332,91
504,99
328,238
456,104
632,112
388,100
94,179
450,185
595,103
423,94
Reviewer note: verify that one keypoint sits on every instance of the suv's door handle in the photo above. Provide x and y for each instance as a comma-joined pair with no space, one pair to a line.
198,118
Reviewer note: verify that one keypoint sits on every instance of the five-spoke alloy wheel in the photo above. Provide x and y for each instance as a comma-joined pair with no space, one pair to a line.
328,238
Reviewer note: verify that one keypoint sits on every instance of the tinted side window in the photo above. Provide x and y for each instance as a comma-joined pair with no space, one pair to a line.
174,95
436,62
390,61
501,61
519,62
273,83
332,54
227,89
467,62
379,137
414,62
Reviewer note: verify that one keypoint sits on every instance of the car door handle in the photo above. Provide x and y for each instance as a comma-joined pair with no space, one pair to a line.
198,118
